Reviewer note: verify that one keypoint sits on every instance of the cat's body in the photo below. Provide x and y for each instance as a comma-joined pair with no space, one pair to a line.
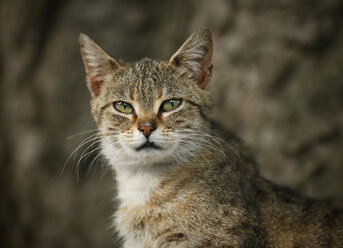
182,180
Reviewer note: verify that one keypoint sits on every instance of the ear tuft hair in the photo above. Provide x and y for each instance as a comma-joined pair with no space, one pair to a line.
194,57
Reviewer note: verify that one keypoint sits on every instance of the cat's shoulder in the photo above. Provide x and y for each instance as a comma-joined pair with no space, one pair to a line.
236,144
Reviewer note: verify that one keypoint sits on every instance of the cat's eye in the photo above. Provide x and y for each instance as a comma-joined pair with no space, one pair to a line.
123,107
170,105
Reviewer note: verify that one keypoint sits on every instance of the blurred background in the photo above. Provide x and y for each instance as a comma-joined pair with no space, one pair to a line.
278,83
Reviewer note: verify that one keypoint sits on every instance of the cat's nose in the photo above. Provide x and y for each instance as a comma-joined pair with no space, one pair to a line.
146,128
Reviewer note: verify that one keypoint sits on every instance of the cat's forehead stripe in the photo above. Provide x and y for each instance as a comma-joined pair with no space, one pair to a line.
147,86
160,92
132,93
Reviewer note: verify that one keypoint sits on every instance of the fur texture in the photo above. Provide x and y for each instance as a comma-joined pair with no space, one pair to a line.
188,183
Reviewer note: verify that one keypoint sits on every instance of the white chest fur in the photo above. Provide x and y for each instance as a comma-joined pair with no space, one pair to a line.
134,189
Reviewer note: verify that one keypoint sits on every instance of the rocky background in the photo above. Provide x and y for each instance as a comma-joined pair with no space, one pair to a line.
278,83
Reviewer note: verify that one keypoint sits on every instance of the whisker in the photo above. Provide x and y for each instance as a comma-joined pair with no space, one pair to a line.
86,154
84,142
81,133
91,165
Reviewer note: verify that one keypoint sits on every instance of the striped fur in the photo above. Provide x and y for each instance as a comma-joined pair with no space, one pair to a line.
201,188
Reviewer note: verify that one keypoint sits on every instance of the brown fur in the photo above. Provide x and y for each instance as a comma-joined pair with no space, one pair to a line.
204,190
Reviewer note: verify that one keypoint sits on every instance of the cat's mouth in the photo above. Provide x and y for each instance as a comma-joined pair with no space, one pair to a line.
147,146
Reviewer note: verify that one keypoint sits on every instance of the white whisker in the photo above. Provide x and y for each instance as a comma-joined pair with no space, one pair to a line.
81,133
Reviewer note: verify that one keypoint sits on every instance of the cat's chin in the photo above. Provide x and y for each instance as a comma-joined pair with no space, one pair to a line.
143,157
149,155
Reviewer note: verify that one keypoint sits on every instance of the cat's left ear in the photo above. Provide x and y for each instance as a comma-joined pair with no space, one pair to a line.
98,64
194,57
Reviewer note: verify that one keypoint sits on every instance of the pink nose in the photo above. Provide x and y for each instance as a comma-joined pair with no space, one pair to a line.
146,128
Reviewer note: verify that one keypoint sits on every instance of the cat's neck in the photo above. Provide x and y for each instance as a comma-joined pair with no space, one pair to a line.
136,183
136,186
138,178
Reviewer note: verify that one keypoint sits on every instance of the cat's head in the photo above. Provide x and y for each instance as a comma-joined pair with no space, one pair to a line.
151,111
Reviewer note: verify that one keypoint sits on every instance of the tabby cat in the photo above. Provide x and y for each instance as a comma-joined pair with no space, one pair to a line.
183,181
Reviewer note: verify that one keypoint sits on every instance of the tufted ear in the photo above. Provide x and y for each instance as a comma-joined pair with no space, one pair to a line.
194,57
97,64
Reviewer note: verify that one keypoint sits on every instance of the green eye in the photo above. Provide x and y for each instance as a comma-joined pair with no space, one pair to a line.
170,105
123,107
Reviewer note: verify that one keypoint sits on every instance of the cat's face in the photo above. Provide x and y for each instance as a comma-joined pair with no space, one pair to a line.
149,112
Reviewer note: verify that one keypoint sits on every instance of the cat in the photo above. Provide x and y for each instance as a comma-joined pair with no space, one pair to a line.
184,181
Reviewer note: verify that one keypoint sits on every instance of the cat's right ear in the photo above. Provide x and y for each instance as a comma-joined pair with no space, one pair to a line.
98,64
